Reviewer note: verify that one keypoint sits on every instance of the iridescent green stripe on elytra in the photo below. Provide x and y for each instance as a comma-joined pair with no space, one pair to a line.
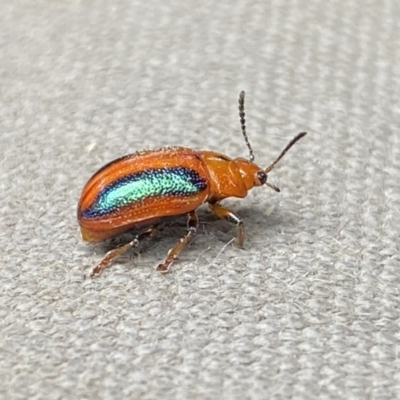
177,181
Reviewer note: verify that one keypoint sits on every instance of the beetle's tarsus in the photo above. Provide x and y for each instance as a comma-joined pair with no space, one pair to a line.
173,253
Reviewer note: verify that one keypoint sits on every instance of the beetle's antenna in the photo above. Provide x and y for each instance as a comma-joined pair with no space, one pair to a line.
273,187
243,124
283,152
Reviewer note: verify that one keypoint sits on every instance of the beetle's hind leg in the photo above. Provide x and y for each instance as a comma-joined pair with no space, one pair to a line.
98,269
226,213
173,253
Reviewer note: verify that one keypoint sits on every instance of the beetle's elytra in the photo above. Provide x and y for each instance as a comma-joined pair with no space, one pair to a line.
141,190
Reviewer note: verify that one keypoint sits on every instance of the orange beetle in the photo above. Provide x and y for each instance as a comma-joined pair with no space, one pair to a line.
141,190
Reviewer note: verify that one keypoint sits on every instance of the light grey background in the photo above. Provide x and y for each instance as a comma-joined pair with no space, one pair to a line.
309,308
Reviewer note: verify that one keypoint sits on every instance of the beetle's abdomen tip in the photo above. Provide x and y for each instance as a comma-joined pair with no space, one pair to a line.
89,236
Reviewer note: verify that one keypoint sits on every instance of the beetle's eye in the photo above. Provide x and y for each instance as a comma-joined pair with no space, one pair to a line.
262,177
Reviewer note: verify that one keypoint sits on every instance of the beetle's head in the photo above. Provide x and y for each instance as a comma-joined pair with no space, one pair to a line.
251,173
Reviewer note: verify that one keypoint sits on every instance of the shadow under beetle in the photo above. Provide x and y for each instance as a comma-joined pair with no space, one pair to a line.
141,190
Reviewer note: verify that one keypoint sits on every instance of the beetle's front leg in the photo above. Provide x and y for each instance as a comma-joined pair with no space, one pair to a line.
173,253
226,213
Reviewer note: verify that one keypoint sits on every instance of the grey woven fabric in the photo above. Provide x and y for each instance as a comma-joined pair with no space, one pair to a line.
309,308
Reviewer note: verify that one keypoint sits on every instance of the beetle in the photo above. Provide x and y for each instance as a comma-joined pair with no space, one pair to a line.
140,191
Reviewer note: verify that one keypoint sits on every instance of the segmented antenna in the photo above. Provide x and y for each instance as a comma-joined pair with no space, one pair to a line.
243,124
283,152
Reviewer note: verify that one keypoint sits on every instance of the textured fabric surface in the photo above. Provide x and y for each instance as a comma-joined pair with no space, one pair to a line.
309,308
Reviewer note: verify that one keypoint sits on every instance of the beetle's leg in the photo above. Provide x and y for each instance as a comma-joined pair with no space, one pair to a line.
226,213
173,253
98,269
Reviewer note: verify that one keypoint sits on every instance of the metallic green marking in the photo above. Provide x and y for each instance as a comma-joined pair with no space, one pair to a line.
177,181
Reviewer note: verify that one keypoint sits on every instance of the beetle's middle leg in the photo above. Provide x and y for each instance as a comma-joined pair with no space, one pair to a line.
173,253
98,269
226,213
